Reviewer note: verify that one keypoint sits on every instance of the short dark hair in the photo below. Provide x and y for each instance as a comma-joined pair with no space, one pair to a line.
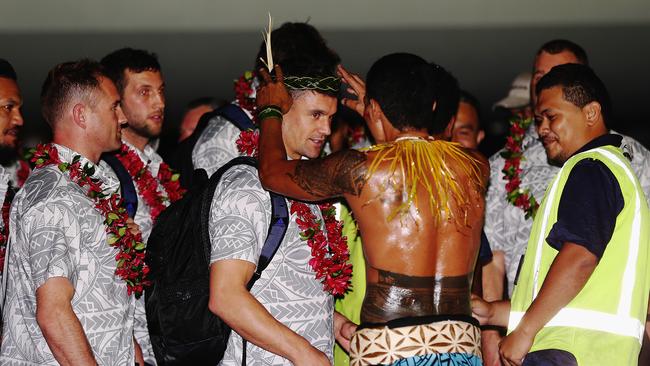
301,51
560,45
119,61
66,81
7,71
447,95
403,86
466,97
580,86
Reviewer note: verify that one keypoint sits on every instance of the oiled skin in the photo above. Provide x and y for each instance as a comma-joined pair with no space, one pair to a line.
433,262
417,263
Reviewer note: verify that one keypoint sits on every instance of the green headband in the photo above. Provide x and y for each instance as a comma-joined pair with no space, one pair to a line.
330,84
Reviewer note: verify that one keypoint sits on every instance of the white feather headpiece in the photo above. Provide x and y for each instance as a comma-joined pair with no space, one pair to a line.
266,35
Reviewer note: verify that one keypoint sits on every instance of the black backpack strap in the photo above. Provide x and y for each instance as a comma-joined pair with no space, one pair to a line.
277,229
237,116
127,188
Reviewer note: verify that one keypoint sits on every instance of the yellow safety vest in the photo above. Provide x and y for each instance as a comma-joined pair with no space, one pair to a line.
604,323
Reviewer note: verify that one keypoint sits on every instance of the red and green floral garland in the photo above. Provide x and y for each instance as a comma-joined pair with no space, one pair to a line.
330,254
513,155
148,185
130,258
21,174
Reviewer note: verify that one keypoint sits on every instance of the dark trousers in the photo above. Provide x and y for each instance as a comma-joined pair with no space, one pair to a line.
550,357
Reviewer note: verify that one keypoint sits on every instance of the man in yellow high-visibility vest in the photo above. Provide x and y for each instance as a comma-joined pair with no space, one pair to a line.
582,293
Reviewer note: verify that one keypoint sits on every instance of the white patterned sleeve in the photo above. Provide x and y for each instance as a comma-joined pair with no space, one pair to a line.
495,206
239,216
53,232
216,146
640,164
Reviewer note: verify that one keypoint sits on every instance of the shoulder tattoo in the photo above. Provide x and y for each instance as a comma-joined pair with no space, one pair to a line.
343,172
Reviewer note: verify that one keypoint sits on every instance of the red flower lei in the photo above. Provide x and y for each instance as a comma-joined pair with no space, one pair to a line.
21,174
244,91
513,154
330,254
130,259
148,185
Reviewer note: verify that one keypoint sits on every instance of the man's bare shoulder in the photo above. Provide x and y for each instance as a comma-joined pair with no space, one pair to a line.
484,165
341,173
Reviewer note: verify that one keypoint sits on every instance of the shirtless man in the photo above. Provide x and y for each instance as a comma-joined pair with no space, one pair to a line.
418,203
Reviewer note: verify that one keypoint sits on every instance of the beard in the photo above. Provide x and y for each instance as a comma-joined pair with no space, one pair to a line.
145,130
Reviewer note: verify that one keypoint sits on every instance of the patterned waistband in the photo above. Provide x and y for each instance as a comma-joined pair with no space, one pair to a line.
386,345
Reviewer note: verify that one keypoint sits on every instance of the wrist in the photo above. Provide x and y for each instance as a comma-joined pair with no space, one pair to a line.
269,112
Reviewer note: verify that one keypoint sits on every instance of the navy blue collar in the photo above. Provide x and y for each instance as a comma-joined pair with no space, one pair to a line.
603,140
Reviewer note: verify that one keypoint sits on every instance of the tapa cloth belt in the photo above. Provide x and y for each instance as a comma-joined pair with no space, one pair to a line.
386,344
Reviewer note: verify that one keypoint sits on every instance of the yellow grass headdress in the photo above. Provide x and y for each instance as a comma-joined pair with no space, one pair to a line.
419,161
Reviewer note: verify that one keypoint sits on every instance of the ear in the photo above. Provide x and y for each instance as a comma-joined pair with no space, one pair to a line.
79,115
449,130
592,113
480,137
374,119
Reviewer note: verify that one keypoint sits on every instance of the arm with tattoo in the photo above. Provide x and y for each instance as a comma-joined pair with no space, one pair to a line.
342,173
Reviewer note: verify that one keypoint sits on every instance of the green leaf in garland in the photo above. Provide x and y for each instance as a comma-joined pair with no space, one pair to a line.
113,239
139,246
76,158
122,231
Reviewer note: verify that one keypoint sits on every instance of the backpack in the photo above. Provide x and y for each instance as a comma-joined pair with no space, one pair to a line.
181,159
183,331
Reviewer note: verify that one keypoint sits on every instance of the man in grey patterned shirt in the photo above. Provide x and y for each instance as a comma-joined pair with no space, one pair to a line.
64,303
138,78
505,226
287,317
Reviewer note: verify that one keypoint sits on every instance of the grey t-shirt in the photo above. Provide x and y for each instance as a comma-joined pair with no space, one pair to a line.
288,289
216,146
55,231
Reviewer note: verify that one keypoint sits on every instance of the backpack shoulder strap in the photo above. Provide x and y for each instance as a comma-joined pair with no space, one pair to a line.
277,228
127,188
237,116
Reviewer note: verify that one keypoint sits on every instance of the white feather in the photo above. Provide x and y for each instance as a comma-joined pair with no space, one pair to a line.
266,35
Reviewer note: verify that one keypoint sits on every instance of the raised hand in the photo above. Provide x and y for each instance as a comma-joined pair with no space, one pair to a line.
273,92
357,87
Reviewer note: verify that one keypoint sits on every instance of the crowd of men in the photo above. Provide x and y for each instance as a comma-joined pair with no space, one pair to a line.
404,245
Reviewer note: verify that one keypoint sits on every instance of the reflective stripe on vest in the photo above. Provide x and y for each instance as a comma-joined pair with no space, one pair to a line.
620,323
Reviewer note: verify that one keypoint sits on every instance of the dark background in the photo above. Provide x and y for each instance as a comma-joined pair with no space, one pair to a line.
484,59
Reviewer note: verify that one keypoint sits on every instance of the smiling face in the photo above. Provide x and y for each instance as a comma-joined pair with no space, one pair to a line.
11,119
143,102
466,129
562,126
306,126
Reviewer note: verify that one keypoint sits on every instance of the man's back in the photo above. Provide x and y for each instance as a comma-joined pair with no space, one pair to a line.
420,256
